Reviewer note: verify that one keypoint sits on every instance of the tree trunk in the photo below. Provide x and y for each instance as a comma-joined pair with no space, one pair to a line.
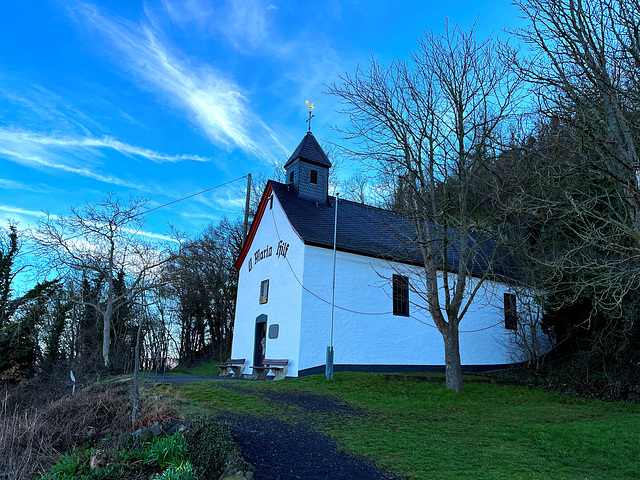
453,366
106,335
534,345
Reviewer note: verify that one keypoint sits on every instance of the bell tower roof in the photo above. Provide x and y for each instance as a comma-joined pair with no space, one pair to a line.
309,150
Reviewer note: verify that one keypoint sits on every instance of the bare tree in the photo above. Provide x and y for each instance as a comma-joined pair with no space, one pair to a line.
582,176
358,188
102,238
203,282
584,71
433,121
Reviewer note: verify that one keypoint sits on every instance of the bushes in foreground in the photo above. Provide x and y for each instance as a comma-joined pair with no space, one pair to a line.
161,458
206,450
32,439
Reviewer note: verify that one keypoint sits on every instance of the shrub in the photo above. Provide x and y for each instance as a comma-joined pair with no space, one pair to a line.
150,456
25,442
210,443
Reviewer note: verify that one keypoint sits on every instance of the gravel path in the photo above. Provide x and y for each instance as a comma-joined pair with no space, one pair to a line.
285,451
313,403
281,451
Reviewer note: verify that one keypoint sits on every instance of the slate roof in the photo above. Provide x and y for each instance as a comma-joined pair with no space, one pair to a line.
380,233
310,150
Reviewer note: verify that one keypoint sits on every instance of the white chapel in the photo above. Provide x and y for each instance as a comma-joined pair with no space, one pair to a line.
285,286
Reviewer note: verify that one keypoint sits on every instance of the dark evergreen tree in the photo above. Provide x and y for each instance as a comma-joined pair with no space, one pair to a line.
123,327
60,308
20,317
8,252
89,327
204,283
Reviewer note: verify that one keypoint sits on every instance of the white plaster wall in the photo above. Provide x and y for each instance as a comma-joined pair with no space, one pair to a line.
284,304
364,285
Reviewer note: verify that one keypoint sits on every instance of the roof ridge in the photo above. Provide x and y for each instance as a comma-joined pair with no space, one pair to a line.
342,200
369,206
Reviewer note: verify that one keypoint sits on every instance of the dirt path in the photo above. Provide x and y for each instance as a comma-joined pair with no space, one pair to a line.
282,450
286,451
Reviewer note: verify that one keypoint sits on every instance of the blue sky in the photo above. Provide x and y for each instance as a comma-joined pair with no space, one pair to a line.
166,98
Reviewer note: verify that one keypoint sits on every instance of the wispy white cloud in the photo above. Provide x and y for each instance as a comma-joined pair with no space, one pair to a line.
191,13
246,25
21,211
156,236
227,201
38,161
214,101
212,206
14,185
35,107
78,156
199,216
22,137
308,61
40,214
305,58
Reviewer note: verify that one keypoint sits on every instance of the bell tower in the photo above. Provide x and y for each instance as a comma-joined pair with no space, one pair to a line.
307,170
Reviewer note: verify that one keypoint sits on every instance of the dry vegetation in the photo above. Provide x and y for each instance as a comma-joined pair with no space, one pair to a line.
32,438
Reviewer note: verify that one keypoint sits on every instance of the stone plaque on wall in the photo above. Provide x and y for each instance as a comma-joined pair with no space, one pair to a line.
274,330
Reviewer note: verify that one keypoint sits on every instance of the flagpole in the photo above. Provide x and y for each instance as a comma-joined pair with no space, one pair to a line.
329,365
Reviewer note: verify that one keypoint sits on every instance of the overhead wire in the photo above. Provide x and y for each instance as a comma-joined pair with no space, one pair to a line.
286,259
190,196
355,311
149,210
314,294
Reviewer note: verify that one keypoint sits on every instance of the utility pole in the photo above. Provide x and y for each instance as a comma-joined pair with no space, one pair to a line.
246,211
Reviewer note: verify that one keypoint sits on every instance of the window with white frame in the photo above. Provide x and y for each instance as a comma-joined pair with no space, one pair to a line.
264,291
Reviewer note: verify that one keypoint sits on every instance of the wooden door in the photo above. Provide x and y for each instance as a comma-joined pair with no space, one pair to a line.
260,347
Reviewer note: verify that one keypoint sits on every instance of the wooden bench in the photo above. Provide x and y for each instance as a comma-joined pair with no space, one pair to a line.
278,367
233,367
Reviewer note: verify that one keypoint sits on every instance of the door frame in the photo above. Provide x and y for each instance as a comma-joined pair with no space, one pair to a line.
259,352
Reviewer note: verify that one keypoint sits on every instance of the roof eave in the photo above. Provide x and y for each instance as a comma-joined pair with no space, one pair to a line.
254,226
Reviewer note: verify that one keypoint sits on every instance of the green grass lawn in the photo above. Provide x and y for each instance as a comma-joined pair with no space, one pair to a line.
420,430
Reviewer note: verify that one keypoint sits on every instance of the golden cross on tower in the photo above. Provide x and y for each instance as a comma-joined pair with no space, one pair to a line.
310,105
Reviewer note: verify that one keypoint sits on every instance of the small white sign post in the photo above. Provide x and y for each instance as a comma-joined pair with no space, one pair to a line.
73,379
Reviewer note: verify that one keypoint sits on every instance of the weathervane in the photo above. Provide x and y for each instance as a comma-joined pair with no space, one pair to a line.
310,105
